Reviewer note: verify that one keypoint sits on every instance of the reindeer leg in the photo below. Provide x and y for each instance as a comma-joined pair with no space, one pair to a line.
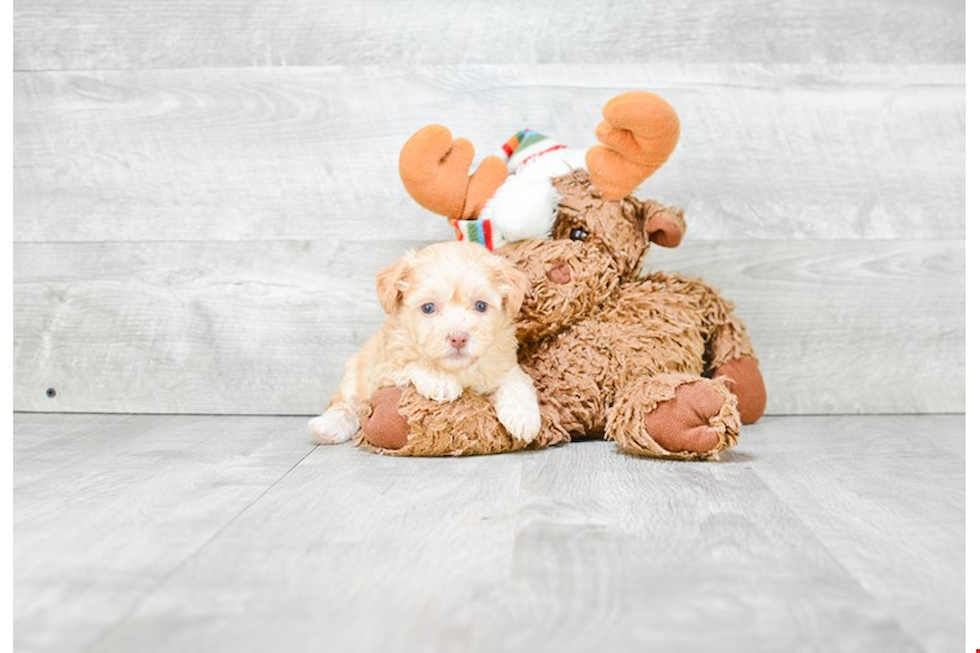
674,416
743,377
404,423
730,356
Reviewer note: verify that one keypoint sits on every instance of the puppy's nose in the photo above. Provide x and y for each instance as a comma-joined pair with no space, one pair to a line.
560,272
458,339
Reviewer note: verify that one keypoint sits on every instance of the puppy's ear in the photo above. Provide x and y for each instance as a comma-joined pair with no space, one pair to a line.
511,283
393,282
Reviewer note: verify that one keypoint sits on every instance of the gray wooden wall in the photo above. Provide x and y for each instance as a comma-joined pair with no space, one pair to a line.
203,191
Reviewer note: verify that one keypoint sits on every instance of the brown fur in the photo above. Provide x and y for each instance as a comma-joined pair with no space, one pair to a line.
607,347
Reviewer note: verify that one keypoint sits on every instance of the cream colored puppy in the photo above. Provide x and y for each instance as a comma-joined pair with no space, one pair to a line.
450,326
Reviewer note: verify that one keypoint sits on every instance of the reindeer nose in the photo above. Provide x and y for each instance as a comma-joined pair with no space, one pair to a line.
560,272
458,339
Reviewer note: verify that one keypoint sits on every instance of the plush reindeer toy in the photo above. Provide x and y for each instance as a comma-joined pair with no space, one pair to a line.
656,362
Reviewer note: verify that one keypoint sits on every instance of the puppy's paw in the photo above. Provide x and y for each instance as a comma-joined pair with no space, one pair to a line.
522,419
519,413
516,403
334,426
437,387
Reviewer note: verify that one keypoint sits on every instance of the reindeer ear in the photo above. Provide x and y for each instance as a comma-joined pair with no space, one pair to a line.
393,281
638,134
435,171
664,225
512,284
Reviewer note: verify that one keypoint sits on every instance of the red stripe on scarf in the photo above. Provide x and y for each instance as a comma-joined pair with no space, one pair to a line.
536,155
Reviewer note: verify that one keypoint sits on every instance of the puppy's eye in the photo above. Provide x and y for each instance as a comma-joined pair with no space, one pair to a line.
578,233
428,308
481,307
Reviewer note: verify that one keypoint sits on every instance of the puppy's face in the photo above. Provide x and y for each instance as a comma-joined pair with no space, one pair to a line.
454,301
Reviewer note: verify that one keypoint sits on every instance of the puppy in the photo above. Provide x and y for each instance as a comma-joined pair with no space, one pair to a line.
449,327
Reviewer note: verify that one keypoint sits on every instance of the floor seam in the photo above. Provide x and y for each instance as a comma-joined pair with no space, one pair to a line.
894,619
190,556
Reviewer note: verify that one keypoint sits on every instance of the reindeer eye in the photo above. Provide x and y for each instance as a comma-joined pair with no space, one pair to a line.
428,308
578,233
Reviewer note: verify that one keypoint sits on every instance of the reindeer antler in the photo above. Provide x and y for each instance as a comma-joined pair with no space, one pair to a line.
435,171
638,134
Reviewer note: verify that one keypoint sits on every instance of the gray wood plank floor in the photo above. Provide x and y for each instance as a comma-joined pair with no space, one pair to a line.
191,533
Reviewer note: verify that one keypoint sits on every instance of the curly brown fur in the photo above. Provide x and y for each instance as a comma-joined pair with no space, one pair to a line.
629,422
606,347
467,426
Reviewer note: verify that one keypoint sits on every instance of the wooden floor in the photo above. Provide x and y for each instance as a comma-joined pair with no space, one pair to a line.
193,533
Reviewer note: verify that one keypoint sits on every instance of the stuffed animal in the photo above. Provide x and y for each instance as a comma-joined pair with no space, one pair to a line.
656,362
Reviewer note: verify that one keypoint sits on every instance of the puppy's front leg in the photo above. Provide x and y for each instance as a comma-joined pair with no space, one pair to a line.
431,384
338,424
516,402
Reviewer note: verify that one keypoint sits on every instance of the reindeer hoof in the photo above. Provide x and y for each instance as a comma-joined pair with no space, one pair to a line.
385,428
745,382
681,423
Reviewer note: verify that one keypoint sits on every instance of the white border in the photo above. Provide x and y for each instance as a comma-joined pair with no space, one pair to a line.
972,577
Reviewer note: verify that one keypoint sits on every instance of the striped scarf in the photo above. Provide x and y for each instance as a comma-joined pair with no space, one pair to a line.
475,231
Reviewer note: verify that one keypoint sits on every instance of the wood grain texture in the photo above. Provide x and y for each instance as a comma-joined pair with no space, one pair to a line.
106,507
767,152
380,553
909,474
264,327
815,534
58,34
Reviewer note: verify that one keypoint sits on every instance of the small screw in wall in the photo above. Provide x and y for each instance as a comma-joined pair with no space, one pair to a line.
51,393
